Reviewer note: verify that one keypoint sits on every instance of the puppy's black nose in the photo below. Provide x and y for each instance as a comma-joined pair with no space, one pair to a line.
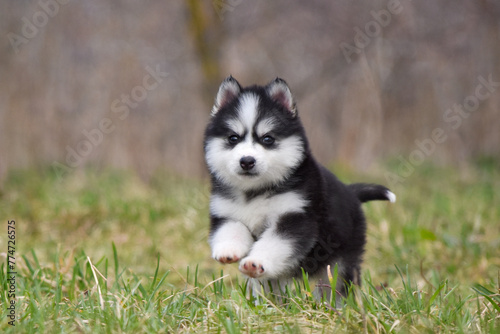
247,163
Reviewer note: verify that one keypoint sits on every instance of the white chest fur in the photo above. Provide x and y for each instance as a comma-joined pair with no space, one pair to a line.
259,212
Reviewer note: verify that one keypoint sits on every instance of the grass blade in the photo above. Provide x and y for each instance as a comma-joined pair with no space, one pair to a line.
492,297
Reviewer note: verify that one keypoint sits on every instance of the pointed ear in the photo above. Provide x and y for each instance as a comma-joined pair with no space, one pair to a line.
228,91
278,91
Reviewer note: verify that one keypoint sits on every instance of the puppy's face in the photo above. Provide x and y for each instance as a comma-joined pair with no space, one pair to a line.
254,138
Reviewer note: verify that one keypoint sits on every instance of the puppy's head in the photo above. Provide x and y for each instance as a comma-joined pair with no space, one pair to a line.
254,138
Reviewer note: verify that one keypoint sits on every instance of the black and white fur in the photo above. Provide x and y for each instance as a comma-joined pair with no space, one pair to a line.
273,208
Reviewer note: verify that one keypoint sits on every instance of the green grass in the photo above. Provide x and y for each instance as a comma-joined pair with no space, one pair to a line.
106,252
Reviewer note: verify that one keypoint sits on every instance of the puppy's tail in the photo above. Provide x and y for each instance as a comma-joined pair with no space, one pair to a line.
370,192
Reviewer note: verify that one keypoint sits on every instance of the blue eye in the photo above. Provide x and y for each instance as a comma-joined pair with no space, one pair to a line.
234,139
267,140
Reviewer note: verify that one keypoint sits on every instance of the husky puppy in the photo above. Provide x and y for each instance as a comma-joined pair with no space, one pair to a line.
273,208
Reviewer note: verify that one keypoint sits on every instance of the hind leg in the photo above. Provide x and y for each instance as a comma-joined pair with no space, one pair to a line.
323,289
348,272
351,274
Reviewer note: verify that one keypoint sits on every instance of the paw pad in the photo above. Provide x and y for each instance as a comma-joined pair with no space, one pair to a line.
227,259
252,268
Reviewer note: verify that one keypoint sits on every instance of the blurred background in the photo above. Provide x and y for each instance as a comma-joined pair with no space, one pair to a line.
112,98
129,85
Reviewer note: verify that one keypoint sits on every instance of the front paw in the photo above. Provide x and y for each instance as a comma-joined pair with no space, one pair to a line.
228,252
252,268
